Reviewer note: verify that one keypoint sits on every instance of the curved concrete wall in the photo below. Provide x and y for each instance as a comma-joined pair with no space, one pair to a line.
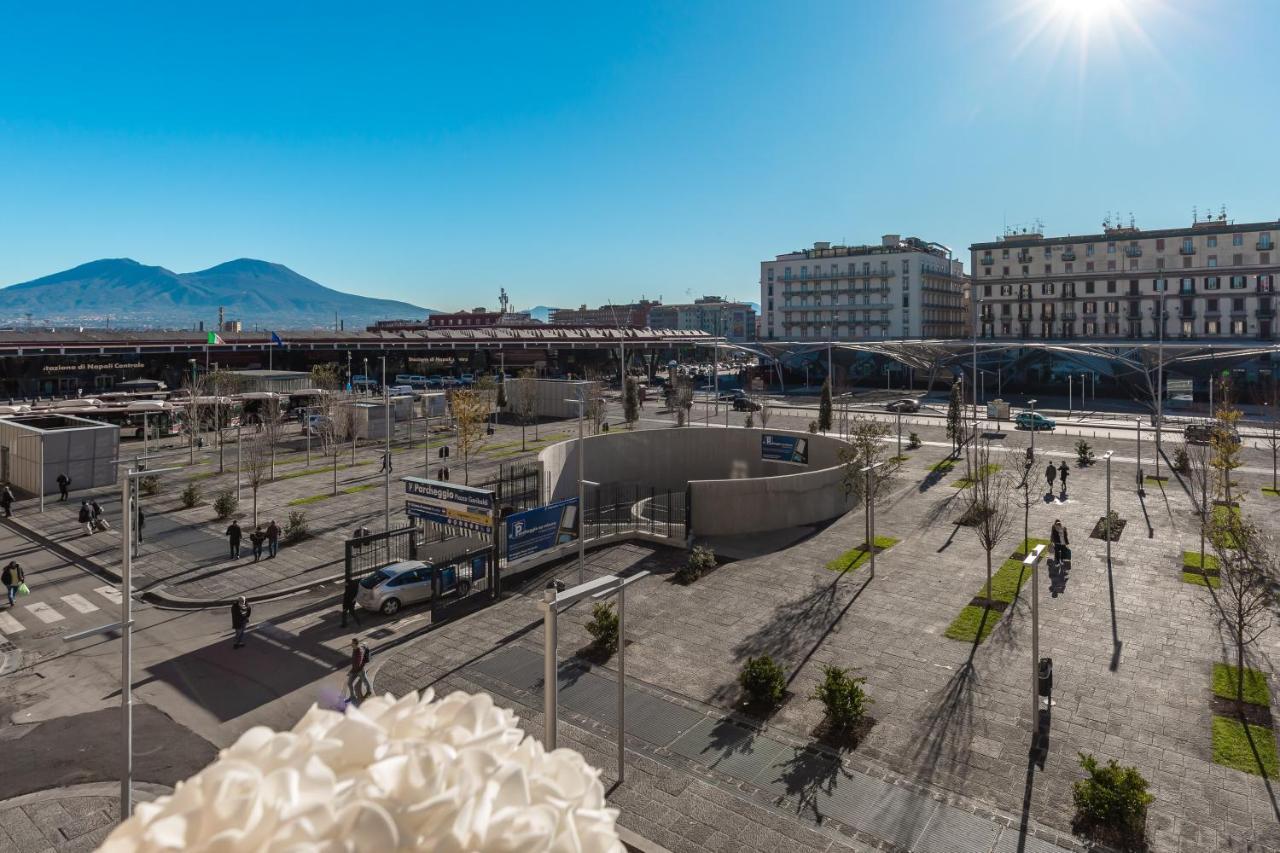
733,490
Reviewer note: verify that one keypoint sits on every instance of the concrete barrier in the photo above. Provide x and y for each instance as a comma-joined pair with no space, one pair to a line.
732,489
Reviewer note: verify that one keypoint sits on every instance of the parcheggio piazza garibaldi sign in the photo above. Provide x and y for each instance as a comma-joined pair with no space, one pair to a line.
465,507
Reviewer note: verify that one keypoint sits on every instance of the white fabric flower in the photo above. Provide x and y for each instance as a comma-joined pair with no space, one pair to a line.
449,775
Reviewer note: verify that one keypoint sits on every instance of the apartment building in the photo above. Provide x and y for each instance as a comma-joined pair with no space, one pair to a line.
714,315
634,315
901,288
1215,278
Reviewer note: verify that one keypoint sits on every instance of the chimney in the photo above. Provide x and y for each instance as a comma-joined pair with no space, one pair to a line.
221,317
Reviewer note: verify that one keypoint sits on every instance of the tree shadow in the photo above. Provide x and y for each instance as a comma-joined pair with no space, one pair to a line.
809,776
946,734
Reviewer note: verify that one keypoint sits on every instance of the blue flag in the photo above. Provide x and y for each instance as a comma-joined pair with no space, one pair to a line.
277,340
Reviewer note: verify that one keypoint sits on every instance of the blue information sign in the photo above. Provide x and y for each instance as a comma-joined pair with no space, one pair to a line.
444,503
538,529
792,449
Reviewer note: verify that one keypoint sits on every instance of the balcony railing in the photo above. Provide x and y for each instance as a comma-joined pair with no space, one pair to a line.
1024,259
1068,256
1187,314
1133,251
1186,250
1266,313
986,260
1265,245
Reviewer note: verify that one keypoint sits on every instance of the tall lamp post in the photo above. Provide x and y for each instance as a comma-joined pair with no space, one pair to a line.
582,505
1160,381
1032,404
977,311
1032,562
870,509
386,468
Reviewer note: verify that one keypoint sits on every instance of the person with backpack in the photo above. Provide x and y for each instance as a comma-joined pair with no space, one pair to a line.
349,592
1061,543
356,676
86,518
64,483
256,538
1049,473
1063,471
6,502
240,612
234,535
273,539
12,577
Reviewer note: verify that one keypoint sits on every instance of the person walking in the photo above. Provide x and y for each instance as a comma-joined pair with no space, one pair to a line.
256,538
273,539
1063,471
386,463
1049,473
142,522
240,612
86,518
234,535
6,502
12,577
349,592
1061,542
356,675
64,483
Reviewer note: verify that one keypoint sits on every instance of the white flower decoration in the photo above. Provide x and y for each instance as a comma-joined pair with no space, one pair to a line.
411,774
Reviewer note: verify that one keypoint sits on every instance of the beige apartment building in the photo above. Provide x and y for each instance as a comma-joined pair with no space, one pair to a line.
902,288
1216,279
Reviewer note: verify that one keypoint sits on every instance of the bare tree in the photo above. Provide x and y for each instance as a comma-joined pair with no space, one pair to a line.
256,458
866,447
1199,475
272,428
682,399
331,403
989,507
196,388
1225,441
469,412
597,407
1016,461
1269,397
525,396
1246,567
765,413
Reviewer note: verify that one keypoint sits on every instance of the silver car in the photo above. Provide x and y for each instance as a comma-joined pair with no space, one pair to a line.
409,582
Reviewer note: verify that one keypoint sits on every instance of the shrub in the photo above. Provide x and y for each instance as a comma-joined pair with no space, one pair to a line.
149,485
603,628
295,528
1084,453
701,560
842,695
1181,462
190,495
225,504
1112,803
763,681
913,441
813,426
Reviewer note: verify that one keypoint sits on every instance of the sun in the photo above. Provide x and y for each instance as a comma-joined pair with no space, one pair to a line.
1085,14
1075,31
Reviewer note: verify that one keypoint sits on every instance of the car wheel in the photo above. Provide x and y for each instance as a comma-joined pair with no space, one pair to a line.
464,589
391,606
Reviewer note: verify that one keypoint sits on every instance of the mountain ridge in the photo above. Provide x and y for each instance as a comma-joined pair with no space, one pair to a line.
254,291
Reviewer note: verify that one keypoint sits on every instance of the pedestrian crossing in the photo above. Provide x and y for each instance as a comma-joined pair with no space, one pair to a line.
38,614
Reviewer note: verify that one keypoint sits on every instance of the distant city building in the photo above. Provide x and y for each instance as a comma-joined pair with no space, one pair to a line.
477,319
634,315
904,287
714,315
1217,279
232,326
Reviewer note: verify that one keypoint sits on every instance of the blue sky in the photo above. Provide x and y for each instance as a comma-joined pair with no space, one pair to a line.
434,153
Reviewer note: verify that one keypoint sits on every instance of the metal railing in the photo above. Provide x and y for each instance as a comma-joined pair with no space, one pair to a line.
629,507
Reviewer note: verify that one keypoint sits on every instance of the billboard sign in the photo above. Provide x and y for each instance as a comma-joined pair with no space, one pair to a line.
538,529
791,449
463,507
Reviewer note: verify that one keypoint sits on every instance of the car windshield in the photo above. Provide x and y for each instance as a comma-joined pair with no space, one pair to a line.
374,579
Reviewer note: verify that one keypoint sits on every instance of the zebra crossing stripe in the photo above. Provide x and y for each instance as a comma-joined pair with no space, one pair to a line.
44,612
9,625
79,603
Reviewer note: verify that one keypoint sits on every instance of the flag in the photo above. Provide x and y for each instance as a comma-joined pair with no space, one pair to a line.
214,338
277,340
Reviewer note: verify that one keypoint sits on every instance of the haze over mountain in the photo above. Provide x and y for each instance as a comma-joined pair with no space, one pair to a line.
127,293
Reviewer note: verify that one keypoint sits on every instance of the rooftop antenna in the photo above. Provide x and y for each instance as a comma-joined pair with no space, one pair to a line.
1131,220
1195,213
1223,214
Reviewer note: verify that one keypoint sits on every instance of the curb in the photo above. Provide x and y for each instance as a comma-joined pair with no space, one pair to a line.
142,792
154,595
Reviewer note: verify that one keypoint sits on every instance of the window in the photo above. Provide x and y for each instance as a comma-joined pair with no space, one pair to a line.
1213,260
1160,285
1186,263
770,274
1004,254
1111,307
1026,270
1006,290
1068,288
986,290
1046,289
1237,327
1159,263
1006,271
1237,305
1048,251
1264,241
1212,327
1237,259
1088,287
1111,287
1160,245
1111,248
1070,267
1212,282
1188,245
804,272
1088,266
1048,269
1237,282
1266,283
1237,239
1004,309
1090,308
1213,242
1211,306
787,273
1186,285
1111,265
1088,250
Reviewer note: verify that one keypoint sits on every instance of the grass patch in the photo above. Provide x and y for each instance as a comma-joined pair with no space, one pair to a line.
1026,546
1267,490
1232,747
1210,581
855,557
965,482
1155,481
349,490
944,467
1006,582
1255,684
1191,560
309,499
967,625
203,475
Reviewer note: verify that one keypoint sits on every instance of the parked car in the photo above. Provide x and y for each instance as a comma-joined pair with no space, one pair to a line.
733,394
409,582
467,379
745,404
1203,433
316,424
1034,420
435,380
904,405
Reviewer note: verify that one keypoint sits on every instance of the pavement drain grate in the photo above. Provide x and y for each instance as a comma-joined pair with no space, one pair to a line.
884,810
1011,843
954,830
728,748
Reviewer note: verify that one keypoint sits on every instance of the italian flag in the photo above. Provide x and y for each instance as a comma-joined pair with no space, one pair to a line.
214,338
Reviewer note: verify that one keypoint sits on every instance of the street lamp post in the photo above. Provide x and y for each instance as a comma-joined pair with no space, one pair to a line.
1032,403
238,464
870,509
386,468
1160,383
1032,562
1070,382
1137,425
582,504
977,312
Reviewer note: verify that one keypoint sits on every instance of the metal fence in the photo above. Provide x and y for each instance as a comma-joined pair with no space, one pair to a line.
622,508
367,552
517,486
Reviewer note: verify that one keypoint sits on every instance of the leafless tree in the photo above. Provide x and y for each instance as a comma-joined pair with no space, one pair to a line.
682,399
1225,441
525,398
989,506
469,413
765,413
325,427
1020,468
196,388
1269,397
597,408
256,459
1199,476
867,447
1247,570
272,428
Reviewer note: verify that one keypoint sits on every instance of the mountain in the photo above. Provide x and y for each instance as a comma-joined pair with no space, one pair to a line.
542,313
257,293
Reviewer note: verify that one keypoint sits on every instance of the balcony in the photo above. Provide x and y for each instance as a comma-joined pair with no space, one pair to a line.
1265,313
1186,250
1068,315
986,260
1264,245
1133,251
1068,256
1187,314
1024,258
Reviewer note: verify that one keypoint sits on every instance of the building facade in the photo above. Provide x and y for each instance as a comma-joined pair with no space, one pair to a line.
634,316
902,288
1215,278
714,315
